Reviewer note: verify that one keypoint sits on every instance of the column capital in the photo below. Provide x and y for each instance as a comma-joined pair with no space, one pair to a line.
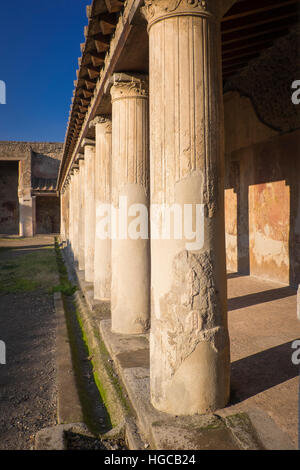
74,169
103,120
157,10
79,156
129,86
87,142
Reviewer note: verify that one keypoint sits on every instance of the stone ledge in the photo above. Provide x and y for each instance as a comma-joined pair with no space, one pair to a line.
162,431
146,427
68,404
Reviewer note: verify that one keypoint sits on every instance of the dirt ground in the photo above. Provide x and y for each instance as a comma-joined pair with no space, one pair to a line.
27,326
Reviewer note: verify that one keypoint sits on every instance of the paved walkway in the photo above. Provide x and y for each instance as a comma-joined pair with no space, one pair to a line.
27,326
263,325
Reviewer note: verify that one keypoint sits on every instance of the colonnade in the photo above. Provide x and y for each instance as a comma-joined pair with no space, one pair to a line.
162,146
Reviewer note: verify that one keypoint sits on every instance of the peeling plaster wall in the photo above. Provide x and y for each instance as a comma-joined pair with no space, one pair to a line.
262,195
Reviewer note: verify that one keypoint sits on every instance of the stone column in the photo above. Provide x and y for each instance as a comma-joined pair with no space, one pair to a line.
189,343
64,203
67,192
25,213
102,258
71,205
130,302
76,213
81,226
26,228
89,208
62,215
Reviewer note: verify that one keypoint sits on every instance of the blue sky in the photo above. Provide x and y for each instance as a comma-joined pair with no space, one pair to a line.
40,44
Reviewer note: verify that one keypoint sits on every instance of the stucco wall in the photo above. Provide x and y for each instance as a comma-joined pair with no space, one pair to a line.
262,195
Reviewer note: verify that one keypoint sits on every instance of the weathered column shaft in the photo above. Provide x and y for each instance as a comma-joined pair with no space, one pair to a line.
76,213
64,213
81,225
71,205
130,303
67,192
189,345
26,226
25,214
102,259
89,208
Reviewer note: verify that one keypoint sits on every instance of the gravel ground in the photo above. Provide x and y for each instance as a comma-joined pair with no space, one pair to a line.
79,441
27,380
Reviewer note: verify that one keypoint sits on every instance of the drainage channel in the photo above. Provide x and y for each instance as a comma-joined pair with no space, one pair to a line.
96,417
96,432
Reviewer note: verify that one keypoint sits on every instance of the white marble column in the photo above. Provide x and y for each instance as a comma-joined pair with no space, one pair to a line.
81,227
130,303
189,343
102,258
89,208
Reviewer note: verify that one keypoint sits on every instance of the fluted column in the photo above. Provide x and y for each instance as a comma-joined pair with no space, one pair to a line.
75,213
189,344
81,227
130,167
89,208
68,211
64,212
102,258
71,225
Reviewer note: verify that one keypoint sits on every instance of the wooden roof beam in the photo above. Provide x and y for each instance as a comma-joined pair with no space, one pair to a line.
238,56
85,102
97,58
87,93
93,71
237,65
240,9
245,44
108,23
101,42
90,84
258,23
264,32
114,5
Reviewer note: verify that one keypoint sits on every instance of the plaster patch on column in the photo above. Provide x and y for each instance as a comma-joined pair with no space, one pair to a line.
189,310
143,323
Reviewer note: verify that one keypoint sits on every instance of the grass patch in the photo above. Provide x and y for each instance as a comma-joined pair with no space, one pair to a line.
65,286
29,272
